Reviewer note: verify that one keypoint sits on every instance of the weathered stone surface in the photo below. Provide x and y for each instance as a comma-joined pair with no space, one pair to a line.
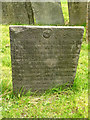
48,13
77,13
17,13
44,56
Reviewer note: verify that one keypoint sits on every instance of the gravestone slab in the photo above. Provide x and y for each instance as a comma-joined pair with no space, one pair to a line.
17,13
77,13
48,13
44,56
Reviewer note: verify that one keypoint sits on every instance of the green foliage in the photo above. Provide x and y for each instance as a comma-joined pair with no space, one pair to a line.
64,6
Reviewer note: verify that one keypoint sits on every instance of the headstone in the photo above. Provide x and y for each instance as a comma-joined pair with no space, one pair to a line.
17,13
44,56
77,13
48,13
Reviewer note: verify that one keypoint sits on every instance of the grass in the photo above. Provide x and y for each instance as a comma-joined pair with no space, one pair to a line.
67,103
65,11
55,103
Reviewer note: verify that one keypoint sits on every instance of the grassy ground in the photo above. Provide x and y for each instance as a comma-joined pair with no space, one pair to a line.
55,103
69,103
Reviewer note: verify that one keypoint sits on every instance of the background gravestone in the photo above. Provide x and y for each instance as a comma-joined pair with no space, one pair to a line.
48,13
77,13
17,13
44,56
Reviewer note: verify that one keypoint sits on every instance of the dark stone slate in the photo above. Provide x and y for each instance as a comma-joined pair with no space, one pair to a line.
77,13
48,13
17,13
44,56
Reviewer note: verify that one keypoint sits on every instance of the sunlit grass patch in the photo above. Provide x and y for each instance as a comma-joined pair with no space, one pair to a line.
64,6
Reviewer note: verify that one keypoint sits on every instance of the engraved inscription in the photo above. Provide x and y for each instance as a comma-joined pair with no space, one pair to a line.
47,33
